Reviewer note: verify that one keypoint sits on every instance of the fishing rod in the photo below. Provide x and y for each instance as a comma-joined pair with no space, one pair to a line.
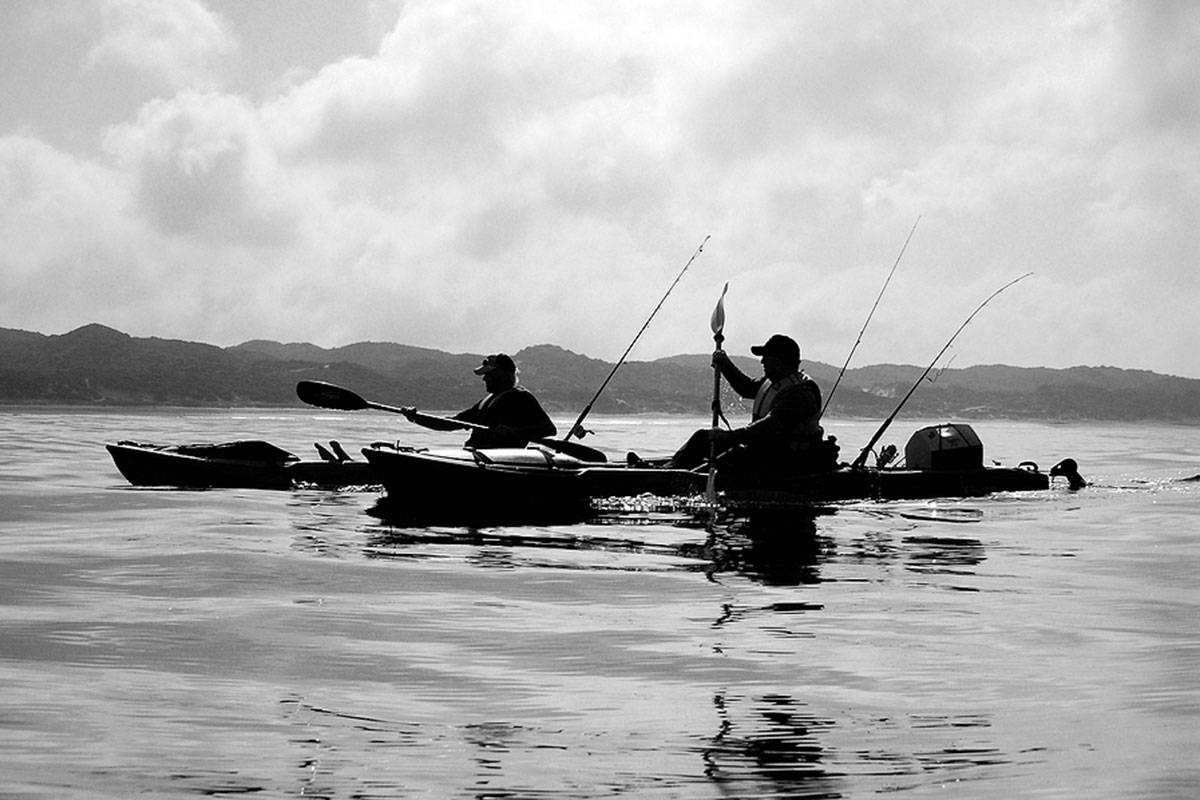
858,341
577,429
862,457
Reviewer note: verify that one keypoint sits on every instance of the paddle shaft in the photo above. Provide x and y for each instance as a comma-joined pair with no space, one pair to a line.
717,322
328,395
710,488
418,415
574,449
716,401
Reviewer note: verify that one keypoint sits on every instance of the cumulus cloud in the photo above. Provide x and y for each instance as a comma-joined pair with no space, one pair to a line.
70,246
175,42
55,205
201,166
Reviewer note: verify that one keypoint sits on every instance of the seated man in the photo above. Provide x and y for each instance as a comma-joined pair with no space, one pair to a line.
513,416
785,422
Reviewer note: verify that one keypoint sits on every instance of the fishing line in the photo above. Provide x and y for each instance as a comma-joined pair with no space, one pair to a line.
862,457
577,429
858,341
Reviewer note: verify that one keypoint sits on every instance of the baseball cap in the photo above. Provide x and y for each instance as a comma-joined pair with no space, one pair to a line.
499,361
780,346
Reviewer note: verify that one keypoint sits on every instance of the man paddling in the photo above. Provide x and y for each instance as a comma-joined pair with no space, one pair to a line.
785,423
513,416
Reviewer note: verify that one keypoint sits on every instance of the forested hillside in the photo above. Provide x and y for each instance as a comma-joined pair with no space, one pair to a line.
96,365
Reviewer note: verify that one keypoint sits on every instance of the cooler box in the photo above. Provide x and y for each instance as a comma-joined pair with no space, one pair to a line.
949,446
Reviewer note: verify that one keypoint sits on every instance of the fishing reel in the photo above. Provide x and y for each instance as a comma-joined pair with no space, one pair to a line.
886,455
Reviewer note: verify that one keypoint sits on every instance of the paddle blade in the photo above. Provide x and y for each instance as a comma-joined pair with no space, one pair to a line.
327,395
718,316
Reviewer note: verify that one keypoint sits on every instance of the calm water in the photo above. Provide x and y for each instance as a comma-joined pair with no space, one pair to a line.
288,644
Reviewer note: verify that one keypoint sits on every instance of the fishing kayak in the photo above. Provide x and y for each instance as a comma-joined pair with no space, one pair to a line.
943,460
940,461
247,464
539,482
530,483
867,483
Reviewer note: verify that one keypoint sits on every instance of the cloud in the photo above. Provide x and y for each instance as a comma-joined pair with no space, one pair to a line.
176,42
69,244
201,166
502,174
1160,56
55,205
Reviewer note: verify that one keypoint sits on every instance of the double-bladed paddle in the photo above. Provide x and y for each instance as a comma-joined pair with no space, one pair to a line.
328,395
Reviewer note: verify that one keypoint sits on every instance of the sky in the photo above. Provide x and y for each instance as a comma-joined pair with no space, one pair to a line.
476,176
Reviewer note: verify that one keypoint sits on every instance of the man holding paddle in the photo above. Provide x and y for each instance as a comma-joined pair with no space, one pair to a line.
785,423
512,415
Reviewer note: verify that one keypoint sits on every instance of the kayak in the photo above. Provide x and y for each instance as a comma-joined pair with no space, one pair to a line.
943,460
529,477
870,483
246,464
940,461
539,482
534,483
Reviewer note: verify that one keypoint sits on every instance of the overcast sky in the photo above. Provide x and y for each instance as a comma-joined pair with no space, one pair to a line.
477,176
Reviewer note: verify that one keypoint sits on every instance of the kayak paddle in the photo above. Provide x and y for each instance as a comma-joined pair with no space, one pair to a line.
717,323
328,395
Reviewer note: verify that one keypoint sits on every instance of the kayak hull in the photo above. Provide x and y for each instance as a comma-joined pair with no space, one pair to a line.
485,485
230,465
845,484
507,486
535,481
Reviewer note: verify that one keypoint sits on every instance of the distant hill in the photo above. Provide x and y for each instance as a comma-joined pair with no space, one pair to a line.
96,365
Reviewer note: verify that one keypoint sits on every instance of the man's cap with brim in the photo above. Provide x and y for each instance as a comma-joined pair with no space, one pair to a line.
500,361
782,347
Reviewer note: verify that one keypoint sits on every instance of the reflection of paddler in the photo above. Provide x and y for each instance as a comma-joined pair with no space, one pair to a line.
1068,469
768,742
779,547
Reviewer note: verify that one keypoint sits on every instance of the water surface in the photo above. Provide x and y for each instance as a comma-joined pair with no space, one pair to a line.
289,644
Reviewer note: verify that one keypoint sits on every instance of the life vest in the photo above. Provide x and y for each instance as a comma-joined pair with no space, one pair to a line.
486,402
768,394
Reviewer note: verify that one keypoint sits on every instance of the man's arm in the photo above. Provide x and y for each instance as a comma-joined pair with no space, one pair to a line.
739,381
435,423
